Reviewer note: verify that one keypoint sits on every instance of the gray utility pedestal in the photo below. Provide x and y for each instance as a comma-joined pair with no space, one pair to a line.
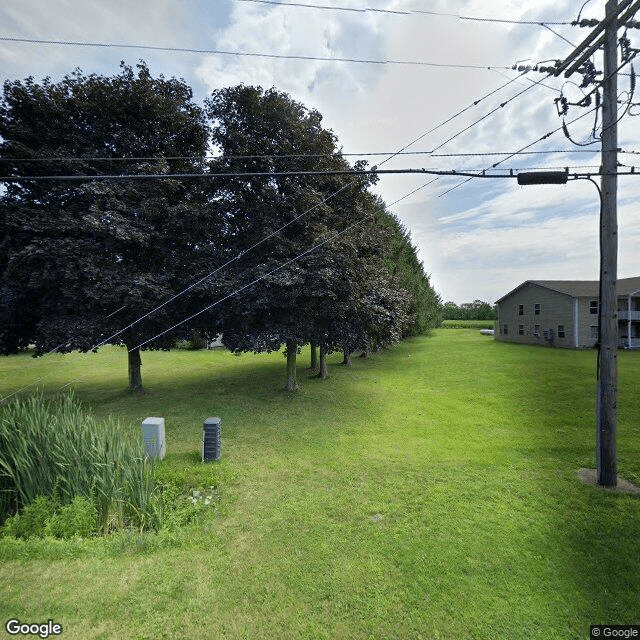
154,442
211,440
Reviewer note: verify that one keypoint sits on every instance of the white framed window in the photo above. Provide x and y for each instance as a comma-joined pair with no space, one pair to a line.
536,330
520,329
520,309
593,307
536,309
594,332
560,331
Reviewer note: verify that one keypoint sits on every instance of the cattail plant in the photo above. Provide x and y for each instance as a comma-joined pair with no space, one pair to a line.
55,448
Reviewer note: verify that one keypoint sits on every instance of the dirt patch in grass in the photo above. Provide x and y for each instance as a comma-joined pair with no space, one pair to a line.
590,476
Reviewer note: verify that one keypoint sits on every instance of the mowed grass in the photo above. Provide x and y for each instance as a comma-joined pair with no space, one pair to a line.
428,492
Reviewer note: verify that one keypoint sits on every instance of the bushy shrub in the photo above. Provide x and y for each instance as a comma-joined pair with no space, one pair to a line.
32,520
43,517
78,519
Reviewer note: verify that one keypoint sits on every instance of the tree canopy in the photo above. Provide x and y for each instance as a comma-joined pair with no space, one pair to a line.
297,258
74,252
302,294
476,310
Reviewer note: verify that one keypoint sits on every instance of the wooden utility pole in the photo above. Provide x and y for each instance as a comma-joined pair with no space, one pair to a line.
607,383
606,35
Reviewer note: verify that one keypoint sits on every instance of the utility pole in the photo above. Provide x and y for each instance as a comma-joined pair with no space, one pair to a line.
607,383
606,35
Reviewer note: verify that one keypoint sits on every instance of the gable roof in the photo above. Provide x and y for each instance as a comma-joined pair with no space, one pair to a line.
581,288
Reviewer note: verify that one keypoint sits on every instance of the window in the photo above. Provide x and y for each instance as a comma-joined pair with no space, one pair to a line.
536,309
560,331
520,309
520,329
594,333
593,307
505,329
536,330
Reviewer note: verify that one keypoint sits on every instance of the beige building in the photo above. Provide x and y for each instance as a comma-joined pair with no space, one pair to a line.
564,313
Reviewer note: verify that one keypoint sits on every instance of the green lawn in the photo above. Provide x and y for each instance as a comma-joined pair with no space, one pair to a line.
428,492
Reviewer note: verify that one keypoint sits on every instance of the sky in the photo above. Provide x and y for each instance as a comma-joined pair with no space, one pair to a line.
477,241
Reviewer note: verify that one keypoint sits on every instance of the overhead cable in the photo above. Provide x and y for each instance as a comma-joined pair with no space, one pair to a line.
277,56
315,247
508,157
251,174
287,156
328,7
405,12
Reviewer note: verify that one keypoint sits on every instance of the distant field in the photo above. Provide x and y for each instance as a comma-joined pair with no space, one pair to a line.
468,324
430,491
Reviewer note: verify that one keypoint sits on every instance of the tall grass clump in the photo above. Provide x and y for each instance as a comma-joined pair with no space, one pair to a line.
57,450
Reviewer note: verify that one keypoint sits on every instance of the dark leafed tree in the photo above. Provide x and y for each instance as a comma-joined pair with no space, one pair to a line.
401,259
83,259
378,314
280,218
358,303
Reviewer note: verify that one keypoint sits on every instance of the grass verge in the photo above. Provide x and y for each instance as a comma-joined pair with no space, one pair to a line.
430,491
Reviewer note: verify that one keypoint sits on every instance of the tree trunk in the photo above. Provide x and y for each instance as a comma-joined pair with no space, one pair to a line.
347,358
323,364
314,356
292,381
135,375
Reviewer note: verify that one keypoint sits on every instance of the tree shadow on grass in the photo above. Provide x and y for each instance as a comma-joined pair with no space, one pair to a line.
245,391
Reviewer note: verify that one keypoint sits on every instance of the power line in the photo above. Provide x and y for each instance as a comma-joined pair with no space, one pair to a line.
456,115
223,266
295,259
539,23
500,106
407,12
508,157
254,174
287,156
277,56
255,281
330,8
262,277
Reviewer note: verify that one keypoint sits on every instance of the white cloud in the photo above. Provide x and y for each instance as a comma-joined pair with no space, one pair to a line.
481,239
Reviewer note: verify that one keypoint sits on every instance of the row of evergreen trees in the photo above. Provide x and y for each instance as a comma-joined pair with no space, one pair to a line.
235,241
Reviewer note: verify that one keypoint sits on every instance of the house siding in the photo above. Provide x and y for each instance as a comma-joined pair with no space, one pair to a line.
556,309
586,320
570,304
